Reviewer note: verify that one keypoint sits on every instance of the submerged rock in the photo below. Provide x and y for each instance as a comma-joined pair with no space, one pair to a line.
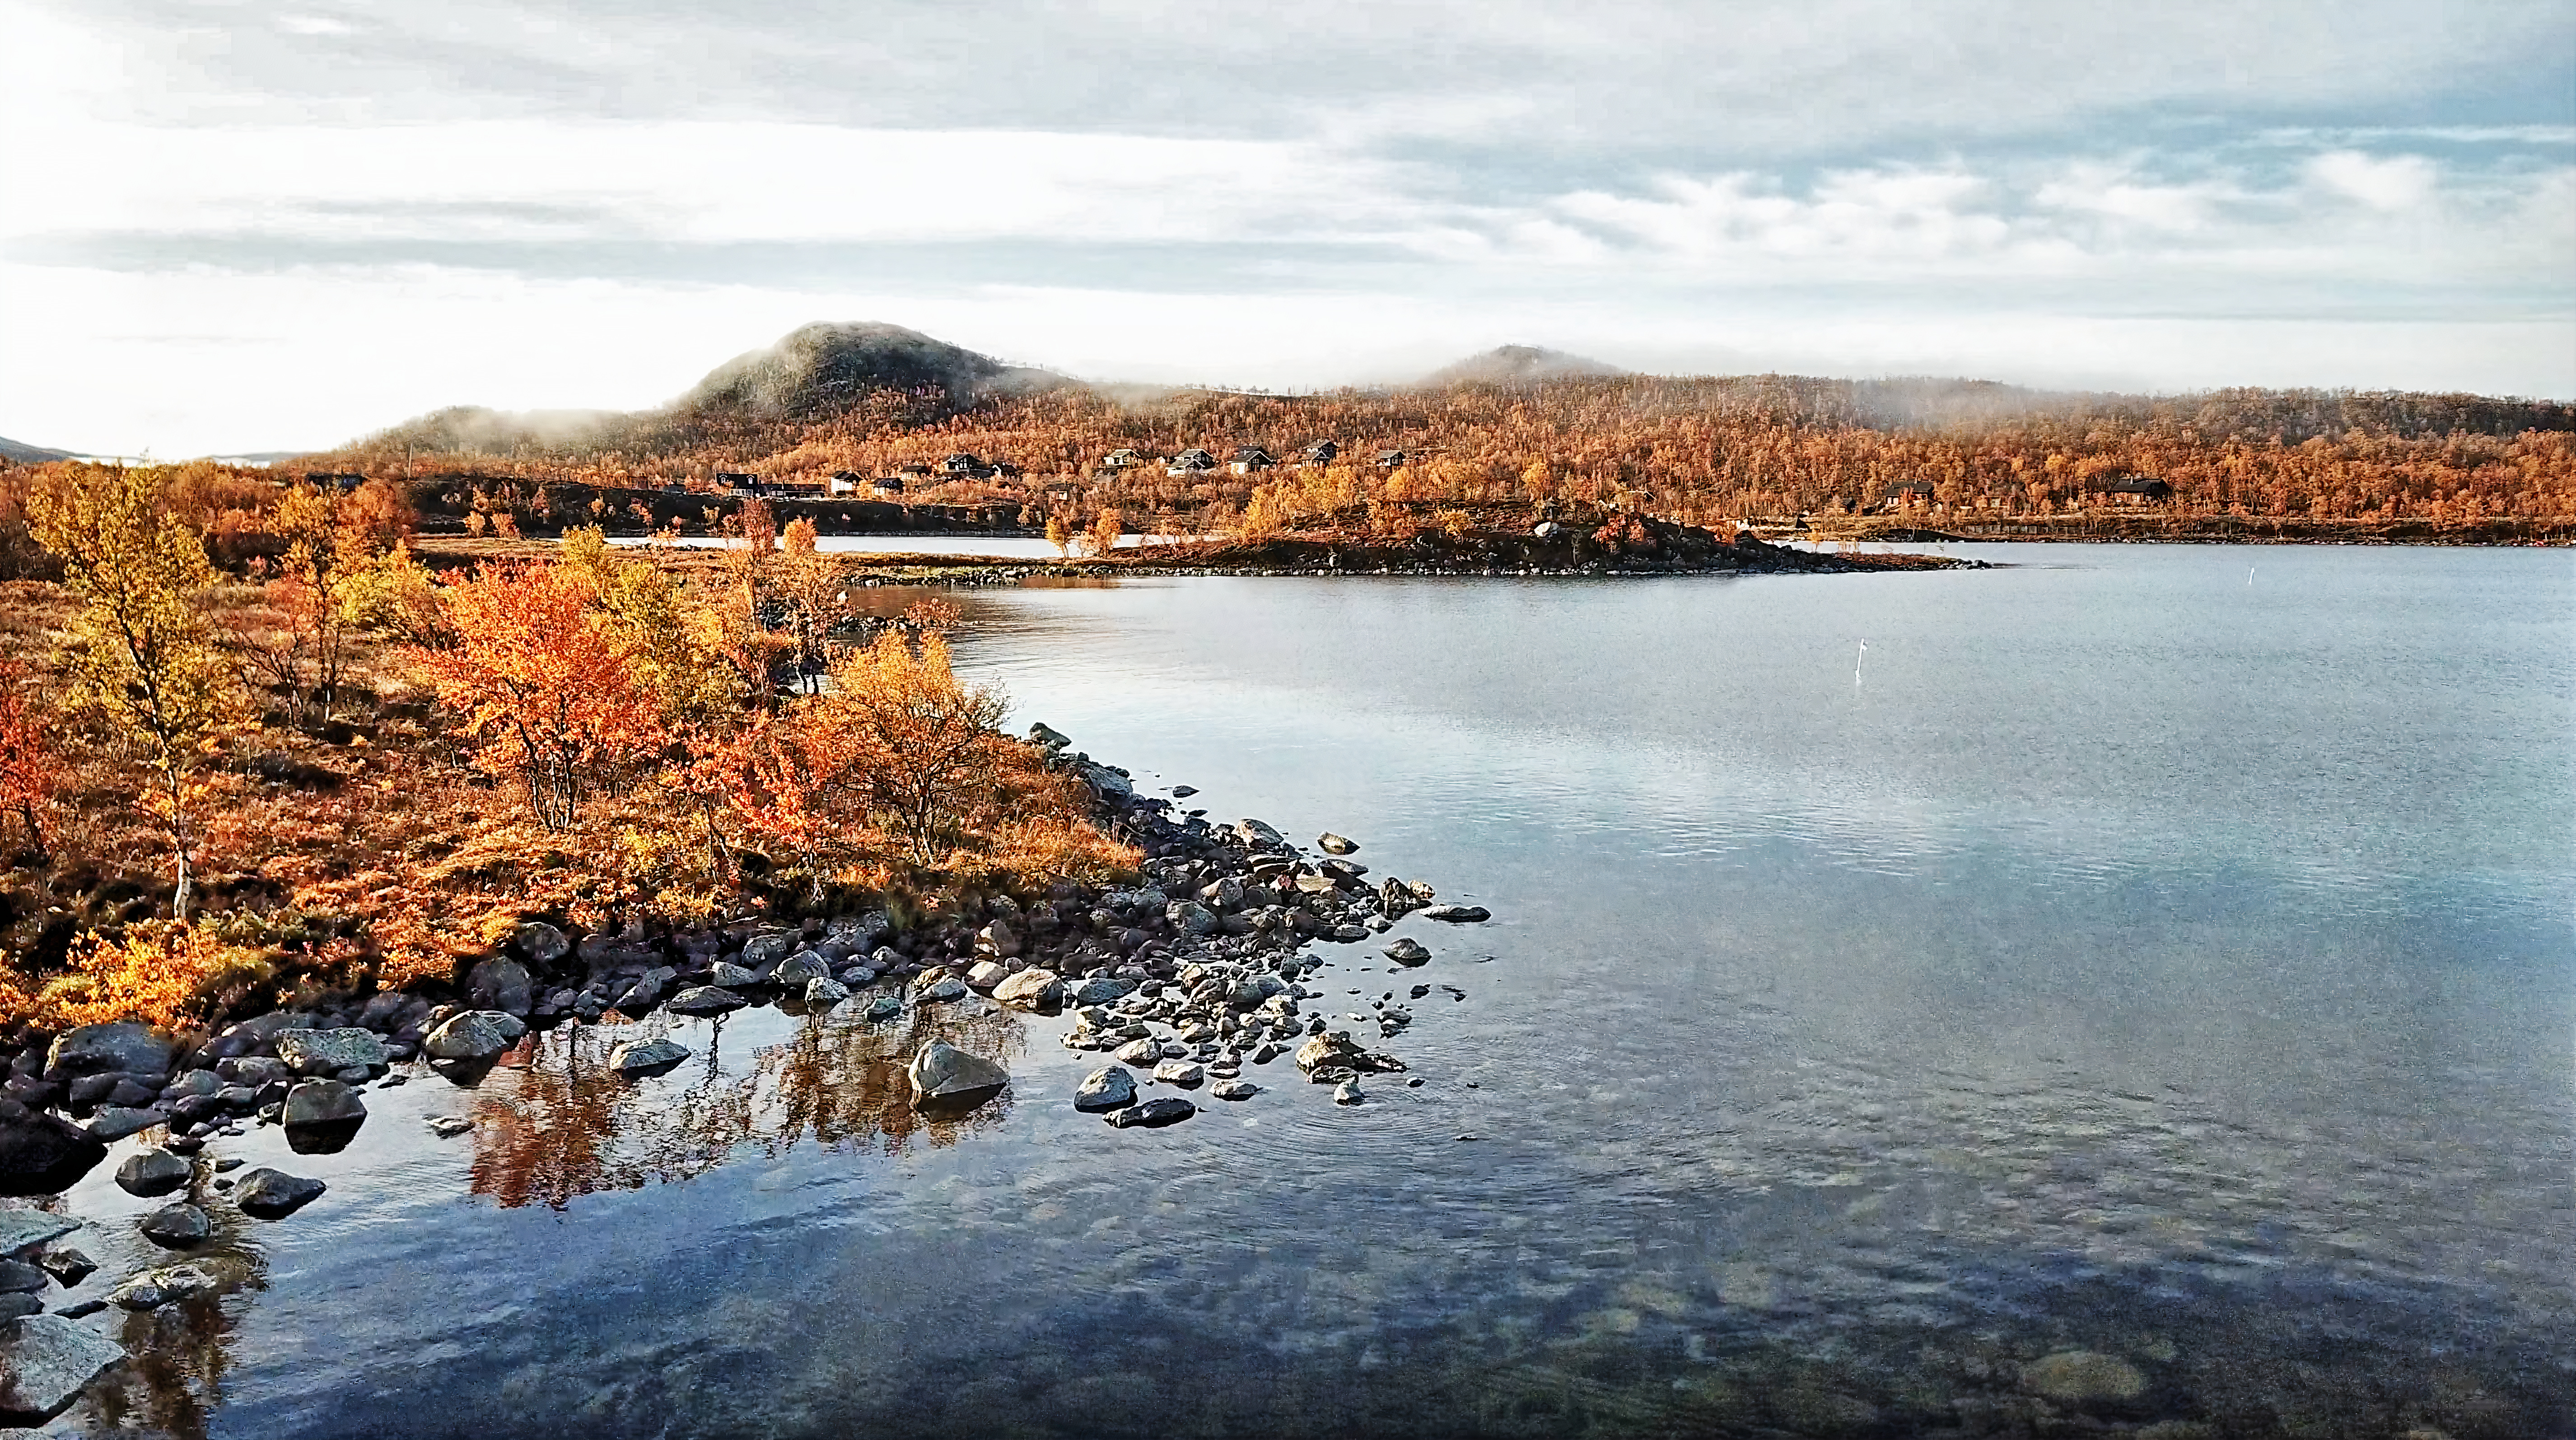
155,1288
1235,1090
267,1194
824,990
1408,951
942,1074
1348,1093
1106,1089
1458,914
2078,1377
1332,844
1168,1110
46,1361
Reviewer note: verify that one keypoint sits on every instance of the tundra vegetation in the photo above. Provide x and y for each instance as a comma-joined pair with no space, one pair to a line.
1700,451
253,749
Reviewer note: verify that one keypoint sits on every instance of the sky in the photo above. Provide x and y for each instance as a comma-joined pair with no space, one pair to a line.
230,227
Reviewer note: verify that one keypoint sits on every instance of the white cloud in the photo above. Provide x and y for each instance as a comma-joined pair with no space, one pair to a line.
2399,182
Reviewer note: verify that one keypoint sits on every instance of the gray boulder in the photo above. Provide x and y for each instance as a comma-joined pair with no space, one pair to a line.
122,1046
824,990
943,1074
46,1362
762,950
1030,990
473,1035
320,1052
1184,1073
1153,1114
266,1194
115,1122
1235,1090
176,1226
1408,951
936,989
986,974
154,1172
1348,1093
1104,1090
724,974
542,943
705,1000
643,1058
501,983
801,967
884,1007
1194,917
1141,1052
23,1230
1102,990
41,1154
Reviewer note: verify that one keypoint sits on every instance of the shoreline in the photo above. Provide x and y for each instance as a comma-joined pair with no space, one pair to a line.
1189,978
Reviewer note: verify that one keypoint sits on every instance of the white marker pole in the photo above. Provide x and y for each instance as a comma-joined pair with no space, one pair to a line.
1856,659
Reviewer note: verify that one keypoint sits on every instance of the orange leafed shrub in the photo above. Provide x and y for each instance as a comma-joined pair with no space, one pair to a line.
548,690
29,773
161,972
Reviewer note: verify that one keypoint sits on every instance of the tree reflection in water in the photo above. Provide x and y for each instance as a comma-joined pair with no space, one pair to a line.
566,1125
179,1354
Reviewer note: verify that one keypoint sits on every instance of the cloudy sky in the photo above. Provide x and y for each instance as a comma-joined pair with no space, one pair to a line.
228,225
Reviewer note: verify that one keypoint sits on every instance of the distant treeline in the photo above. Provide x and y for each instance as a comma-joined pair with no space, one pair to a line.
1697,449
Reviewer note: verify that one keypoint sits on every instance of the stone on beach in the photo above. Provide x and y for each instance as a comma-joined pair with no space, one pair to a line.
176,1226
705,1000
1408,951
1030,990
1332,844
824,990
321,1052
1180,1072
123,1047
1458,914
472,1035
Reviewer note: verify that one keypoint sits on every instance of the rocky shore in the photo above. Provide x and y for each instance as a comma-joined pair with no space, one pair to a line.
1191,980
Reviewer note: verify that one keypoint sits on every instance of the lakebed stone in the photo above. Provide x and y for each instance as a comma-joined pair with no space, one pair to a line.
473,1035
155,1288
824,990
1030,990
2083,1377
1153,1114
705,1000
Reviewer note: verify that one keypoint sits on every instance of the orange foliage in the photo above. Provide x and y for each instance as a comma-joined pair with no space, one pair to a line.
161,972
548,690
29,772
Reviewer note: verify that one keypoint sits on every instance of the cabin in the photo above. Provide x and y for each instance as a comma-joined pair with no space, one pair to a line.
890,485
794,489
1249,458
2132,490
843,482
737,482
1121,459
1907,494
964,465
1389,459
1322,452
1193,461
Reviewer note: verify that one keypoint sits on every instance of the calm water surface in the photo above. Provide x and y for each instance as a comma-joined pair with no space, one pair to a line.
2126,958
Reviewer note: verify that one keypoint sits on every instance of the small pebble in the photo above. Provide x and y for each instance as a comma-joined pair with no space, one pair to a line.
1467,1137
1413,1084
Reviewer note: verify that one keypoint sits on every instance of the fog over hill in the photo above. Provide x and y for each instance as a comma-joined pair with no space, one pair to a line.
1520,365
877,378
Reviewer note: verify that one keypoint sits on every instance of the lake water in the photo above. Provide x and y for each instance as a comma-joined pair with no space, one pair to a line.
999,547
2118,959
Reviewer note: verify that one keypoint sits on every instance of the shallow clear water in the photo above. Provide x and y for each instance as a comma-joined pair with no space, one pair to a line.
2128,959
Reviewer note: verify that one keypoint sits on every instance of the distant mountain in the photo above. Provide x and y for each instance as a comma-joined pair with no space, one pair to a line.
815,372
18,454
1520,365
